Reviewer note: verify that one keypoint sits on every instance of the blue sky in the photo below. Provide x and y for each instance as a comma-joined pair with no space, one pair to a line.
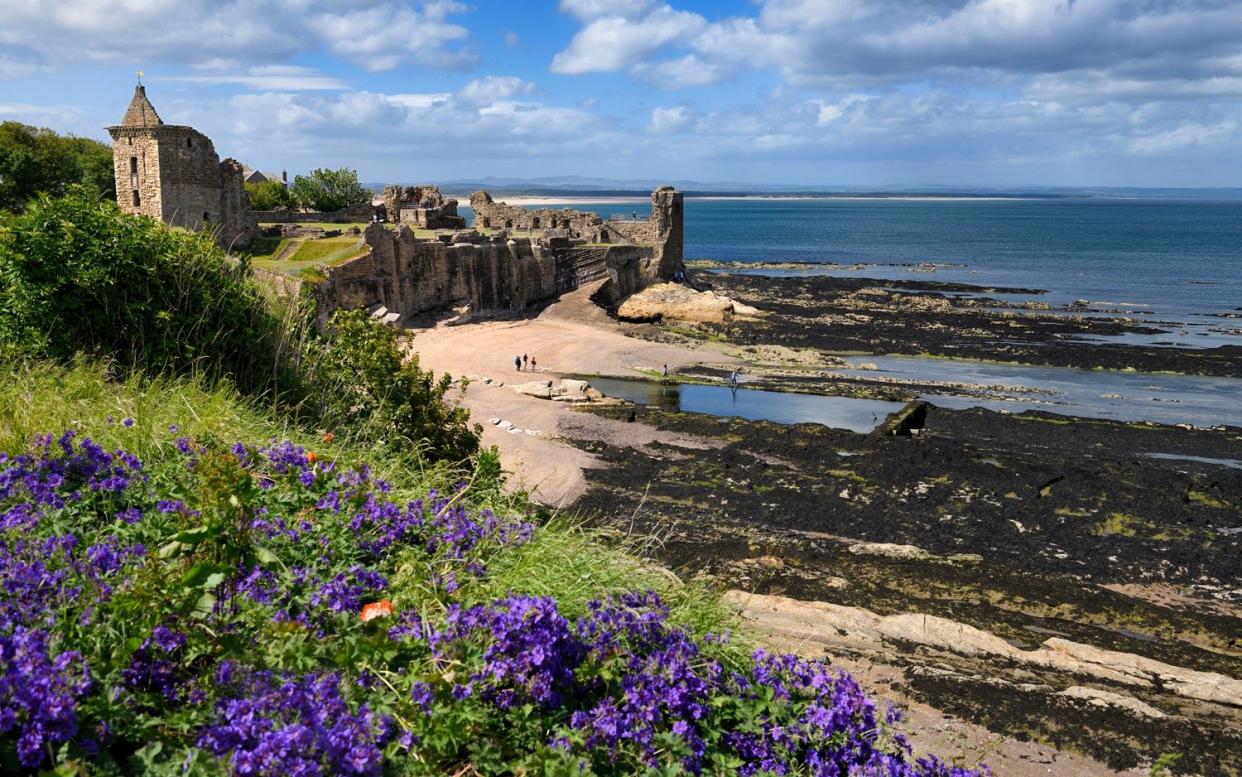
848,92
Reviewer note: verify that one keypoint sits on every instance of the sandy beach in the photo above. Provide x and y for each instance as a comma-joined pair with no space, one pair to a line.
572,336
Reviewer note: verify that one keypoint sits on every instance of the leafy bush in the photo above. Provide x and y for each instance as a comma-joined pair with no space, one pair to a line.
78,275
36,160
329,190
267,610
268,195
363,382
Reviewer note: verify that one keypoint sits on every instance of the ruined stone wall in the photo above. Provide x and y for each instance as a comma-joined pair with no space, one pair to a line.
663,230
494,277
489,214
421,206
359,213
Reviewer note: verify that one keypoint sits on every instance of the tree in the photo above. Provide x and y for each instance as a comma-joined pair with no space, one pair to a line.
329,190
268,195
36,160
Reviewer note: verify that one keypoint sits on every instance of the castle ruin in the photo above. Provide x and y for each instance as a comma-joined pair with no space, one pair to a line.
172,173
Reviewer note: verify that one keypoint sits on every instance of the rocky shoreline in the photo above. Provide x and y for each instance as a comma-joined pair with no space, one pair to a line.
1037,587
927,317
1051,549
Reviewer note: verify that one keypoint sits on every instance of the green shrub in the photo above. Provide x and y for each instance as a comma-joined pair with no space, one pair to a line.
36,160
78,275
329,190
268,195
362,382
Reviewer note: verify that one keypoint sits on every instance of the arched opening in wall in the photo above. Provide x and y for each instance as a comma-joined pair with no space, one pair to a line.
534,223
487,223
189,142
206,217
565,224
133,165
131,141
137,199
508,223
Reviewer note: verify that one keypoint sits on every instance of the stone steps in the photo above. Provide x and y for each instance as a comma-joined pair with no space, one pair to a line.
382,314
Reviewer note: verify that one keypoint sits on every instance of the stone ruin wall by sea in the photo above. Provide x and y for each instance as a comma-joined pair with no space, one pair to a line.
493,276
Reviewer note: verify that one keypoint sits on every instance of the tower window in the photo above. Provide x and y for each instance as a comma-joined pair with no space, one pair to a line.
133,165
206,217
189,142
137,199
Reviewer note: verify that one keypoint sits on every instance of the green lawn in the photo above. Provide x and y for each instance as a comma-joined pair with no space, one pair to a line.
299,256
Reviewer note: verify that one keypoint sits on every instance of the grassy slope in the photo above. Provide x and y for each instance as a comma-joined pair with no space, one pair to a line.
562,560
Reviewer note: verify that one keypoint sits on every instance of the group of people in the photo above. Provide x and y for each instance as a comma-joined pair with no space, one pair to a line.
525,362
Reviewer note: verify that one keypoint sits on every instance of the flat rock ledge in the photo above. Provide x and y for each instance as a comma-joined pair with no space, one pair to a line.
675,302
567,390
858,630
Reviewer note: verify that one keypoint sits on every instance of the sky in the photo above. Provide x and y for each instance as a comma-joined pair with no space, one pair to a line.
876,93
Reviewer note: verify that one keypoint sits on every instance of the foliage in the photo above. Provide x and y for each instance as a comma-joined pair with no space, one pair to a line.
329,190
77,275
270,610
268,195
364,381
36,160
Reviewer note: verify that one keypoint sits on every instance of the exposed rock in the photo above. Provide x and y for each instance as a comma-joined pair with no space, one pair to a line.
673,301
1100,698
861,630
536,388
910,552
905,421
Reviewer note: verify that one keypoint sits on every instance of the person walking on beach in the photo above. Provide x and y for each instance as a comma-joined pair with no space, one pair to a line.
525,360
517,363
666,373
534,365
733,380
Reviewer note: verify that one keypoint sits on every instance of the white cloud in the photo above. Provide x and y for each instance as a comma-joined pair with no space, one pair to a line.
667,120
1188,136
285,78
615,43
586,10
374,34
511,39
493,88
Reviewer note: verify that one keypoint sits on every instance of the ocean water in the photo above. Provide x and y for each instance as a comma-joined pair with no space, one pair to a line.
1176,264
1173,258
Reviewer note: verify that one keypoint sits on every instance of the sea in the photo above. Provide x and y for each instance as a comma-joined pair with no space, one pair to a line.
1174,262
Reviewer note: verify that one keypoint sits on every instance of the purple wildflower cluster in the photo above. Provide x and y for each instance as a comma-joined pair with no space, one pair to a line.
264,641
38,693
300,726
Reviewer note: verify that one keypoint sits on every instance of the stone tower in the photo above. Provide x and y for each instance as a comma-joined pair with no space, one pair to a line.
172,173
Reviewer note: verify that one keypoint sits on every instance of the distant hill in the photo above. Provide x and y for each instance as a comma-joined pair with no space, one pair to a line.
577,185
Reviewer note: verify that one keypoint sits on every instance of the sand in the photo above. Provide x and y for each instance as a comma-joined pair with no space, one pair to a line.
572,336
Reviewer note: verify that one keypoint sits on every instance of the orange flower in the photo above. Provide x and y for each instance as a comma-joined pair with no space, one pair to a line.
328,437
376,610
311,457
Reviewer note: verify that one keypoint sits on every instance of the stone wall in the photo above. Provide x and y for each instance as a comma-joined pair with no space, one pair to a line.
495,277
360,213
662,230
489,214
421,206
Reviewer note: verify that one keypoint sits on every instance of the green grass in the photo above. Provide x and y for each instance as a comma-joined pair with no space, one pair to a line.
564,560
298,256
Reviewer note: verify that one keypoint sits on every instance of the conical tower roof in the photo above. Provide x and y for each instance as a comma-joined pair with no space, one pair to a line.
141,112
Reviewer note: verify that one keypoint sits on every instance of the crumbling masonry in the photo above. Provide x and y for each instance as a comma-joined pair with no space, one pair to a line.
172,173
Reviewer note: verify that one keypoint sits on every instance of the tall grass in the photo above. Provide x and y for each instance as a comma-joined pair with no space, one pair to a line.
563,560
